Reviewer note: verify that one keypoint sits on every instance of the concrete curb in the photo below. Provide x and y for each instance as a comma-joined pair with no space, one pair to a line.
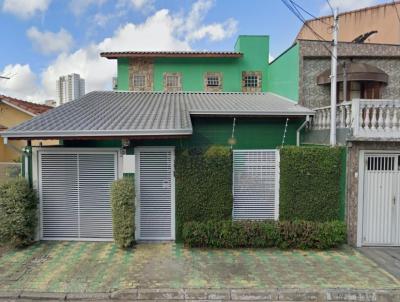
165,294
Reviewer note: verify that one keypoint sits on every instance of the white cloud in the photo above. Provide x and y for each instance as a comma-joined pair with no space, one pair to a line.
346,5
22,83
143,5
161,31
48,42
25,9
78,7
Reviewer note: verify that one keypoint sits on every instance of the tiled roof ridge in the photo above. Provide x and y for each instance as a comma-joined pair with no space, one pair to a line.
31,107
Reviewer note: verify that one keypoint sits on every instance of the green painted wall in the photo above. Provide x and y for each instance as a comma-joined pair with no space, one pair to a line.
283,74
250,133
255,58
123,74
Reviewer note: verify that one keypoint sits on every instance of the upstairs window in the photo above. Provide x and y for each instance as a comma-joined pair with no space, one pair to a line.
172,81
139,81
213,81
251,81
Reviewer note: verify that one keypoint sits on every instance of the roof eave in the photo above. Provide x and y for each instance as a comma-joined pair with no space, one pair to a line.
154,55
252,113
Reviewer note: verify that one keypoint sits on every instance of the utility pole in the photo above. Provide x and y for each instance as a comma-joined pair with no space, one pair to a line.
334,77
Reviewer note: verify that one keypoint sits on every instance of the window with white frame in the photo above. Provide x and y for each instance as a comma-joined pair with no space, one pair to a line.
172,81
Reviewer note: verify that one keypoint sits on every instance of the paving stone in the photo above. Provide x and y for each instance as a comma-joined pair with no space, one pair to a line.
42,296
88,296
253,295
299,295
161,294
218,294
196,294
125,294
351,295
9,294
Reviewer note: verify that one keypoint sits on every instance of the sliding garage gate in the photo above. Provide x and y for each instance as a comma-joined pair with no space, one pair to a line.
75,194
255,184
381,194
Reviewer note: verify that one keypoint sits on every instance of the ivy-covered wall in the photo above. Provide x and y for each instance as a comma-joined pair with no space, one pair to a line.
203,185
310,183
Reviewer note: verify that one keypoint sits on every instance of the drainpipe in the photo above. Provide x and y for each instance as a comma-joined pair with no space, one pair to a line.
301,128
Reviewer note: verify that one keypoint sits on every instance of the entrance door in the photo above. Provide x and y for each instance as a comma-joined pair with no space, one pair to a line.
156,193
381,200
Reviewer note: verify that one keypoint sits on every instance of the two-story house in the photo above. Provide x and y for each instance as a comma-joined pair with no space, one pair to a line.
165,102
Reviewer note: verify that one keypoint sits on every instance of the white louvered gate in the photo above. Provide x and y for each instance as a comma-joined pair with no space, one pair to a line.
381,194
155,193
75,194
255,184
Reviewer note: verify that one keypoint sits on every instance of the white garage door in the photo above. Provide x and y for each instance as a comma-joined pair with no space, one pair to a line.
75,194
381,211
155,196
255,184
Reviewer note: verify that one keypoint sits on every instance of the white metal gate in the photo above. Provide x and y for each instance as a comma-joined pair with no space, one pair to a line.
255,184
75,194
381,199
155,218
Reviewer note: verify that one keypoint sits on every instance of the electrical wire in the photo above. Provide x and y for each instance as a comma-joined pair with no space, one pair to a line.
310,14
330,6
292,8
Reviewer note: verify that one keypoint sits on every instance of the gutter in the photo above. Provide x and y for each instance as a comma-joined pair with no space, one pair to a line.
301,128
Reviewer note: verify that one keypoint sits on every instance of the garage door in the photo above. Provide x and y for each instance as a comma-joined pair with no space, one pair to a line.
255,184
75,194
381,193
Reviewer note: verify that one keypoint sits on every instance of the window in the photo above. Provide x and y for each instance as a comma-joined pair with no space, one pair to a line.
213,81
359,90
139,80
172,81
251,81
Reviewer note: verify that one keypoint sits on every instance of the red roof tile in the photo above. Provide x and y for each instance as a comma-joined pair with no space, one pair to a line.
24,105
173,54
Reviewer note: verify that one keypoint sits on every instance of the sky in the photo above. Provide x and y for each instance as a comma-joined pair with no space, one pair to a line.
44,39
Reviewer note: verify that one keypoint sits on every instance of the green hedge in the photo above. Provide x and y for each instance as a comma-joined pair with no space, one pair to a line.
261,234
203,185
18,213
123,212
310,183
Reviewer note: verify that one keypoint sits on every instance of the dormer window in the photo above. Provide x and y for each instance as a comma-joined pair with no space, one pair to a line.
251,81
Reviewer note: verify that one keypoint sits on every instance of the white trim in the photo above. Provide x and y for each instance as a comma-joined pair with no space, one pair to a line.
360,195
18,108
250,113
37,181
137,185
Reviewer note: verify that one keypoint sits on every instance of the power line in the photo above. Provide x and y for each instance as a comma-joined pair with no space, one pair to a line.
310,14
330,6
296,12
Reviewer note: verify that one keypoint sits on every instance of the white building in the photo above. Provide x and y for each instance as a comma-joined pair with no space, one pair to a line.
69,88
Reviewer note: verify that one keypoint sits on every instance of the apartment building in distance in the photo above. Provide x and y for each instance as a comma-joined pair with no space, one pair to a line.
69,88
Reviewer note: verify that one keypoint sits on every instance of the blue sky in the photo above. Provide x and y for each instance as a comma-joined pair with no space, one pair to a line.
49,38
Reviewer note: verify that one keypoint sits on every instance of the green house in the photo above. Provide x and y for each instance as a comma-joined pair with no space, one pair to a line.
166,103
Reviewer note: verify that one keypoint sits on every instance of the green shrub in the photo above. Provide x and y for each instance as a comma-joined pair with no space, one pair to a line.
123,212
203,185
310,183
263,234
18,213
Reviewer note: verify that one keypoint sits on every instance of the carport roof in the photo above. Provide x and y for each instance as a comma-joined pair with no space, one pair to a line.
131,114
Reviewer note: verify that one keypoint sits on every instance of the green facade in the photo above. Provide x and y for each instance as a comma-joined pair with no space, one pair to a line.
250,133
284,72
255,51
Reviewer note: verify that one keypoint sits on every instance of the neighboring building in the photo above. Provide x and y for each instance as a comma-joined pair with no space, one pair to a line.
361,23
367,123
70,87
13,112
51,103
241,70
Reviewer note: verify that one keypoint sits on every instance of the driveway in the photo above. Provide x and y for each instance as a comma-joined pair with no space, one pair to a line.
386,257
102,267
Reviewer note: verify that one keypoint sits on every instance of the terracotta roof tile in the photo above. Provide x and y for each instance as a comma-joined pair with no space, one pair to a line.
24,105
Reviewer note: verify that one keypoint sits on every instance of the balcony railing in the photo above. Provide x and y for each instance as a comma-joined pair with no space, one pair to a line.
364,118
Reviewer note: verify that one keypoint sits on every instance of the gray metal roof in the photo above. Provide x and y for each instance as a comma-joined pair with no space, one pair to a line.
123,114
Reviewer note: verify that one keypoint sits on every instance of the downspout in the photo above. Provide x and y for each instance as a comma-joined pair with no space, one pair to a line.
301,128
